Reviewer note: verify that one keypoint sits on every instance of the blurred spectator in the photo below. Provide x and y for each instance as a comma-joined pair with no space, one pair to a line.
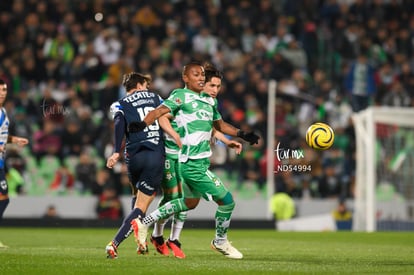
116,71
21,125
46,140
71,138
60,49
63,182
87,128
342,216
406,76
51,213
330,184
108,46
282,206
85,172
109,204
147,20
204,42
385,76
102,177
396,96
360,83
295,54
25,103
249,167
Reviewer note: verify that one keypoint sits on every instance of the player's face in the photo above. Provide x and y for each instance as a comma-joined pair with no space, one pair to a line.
3,93
212,88
194,78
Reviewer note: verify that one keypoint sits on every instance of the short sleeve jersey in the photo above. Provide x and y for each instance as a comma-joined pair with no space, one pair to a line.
171,148
134,107
195,114
4,133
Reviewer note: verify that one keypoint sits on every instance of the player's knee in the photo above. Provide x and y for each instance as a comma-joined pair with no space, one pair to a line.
227,207
191,203
228,200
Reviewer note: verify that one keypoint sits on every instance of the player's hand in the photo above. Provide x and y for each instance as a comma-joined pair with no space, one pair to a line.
177,140
237,146
250,137
20,141
136,126
112,160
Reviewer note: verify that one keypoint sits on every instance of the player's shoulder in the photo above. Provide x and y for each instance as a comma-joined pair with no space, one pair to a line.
157,95
207,98
177,96
115,108
178,91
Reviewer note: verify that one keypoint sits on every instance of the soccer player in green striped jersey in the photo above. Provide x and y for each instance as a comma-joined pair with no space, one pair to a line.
171,184
196,114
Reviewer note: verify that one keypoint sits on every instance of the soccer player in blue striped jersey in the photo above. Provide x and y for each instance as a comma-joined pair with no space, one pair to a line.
144,152
4,139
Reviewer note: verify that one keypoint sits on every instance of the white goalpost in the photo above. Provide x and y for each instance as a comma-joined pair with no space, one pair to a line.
271,105
384,180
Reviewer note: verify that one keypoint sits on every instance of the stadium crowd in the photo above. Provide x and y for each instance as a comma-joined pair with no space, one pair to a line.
64,60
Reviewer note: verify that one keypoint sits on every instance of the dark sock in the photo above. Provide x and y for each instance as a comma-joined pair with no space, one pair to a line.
159,240
125,230
3,206
134,199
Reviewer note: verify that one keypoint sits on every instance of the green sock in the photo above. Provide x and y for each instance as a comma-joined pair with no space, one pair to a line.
165,211
223,217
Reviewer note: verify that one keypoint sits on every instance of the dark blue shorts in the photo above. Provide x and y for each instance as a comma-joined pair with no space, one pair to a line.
145,170
4,189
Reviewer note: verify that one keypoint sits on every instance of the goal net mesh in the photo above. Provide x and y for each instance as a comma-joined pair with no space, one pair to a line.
384,190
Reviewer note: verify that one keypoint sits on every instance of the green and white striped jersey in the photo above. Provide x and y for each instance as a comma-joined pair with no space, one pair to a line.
171,148
194,114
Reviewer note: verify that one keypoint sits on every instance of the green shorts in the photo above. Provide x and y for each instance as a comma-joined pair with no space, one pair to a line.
171,173
201,182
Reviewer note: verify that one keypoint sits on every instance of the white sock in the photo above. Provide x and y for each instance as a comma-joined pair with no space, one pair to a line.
159,228
176,228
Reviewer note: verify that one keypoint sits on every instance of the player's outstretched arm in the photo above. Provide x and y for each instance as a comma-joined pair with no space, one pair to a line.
137,126
112,160
225,128
165,123
20,141
229,129
250,137
237,146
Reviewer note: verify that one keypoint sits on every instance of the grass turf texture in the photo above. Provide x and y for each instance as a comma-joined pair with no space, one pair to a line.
82,251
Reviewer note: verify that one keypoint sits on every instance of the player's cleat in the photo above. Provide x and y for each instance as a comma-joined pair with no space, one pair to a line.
160,245
3,246
227,250
142,249
175,247
111,251
140,233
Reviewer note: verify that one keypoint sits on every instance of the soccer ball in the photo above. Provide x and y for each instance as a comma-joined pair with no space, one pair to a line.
320,136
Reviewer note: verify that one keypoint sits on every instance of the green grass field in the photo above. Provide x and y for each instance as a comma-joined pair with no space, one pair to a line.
81,251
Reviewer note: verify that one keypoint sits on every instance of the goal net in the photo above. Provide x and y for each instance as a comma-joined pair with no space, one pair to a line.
384,180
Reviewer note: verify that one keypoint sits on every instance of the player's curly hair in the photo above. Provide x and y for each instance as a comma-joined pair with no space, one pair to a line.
211,71
131,80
